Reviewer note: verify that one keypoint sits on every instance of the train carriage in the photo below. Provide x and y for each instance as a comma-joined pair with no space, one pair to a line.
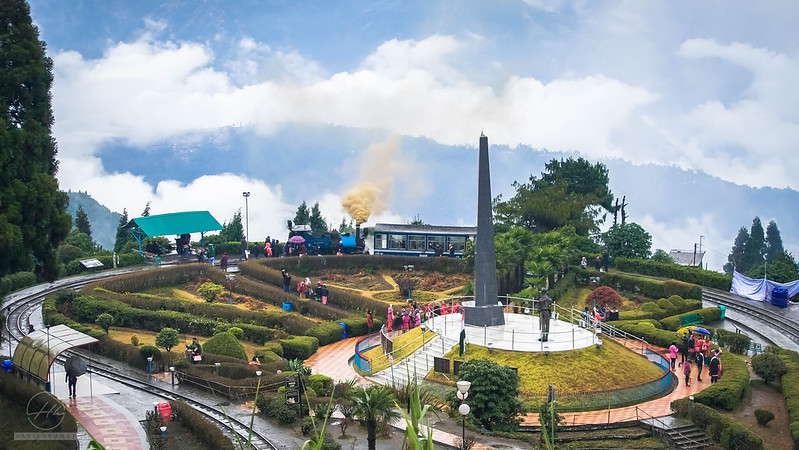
420,240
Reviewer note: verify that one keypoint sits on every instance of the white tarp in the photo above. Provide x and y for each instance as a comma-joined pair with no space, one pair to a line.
760,289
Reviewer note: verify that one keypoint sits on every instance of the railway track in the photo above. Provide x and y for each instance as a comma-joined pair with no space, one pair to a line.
19,310
786,326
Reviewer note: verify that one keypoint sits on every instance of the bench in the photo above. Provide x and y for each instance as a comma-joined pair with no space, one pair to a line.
691,319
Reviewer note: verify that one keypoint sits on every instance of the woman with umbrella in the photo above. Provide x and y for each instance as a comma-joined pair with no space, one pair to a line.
74,367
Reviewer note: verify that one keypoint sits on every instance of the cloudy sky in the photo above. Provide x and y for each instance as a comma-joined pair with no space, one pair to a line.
186,104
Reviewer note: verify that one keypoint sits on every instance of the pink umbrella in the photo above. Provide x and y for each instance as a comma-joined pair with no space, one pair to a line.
296,239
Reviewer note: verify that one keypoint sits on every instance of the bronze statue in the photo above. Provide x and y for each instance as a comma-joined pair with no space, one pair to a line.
544,313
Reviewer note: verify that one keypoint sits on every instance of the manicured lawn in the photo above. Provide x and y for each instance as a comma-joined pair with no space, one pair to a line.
586,370
148,338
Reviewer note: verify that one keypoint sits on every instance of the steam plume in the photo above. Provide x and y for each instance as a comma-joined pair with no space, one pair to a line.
372,193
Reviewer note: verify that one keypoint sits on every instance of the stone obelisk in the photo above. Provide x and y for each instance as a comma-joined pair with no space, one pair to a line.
486,311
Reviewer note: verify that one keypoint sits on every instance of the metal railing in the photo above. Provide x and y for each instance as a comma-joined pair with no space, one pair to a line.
663,429
371,366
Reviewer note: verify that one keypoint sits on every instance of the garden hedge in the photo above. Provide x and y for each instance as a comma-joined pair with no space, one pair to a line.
693,275
16,281
729,433
299,347
646,286
648,332
225,344
790,389
735,342
652,310
708,315
200,427
729,390
266,356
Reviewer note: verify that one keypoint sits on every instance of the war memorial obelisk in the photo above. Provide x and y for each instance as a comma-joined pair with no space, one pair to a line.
486,310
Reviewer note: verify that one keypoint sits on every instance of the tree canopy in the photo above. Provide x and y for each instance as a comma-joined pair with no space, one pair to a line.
628,240
233,231
303,215
753,248
33,218
318,223
82,221
569,192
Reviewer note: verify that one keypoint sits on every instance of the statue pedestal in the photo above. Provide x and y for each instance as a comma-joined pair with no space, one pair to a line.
489,315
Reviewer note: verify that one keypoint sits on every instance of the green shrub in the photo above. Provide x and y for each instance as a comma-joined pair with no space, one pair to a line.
148,350
651,307
299,347
729,390
321,384
763,416
16,281
200,427
683,290
768,366
708,315
326,333
721,429
275,347
209,291
236,331
665,304
104,321
286,414
693,275
266,356
647,332
677,301
134,340
736,342
225,344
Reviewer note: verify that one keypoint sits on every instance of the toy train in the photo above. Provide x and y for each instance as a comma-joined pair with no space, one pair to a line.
328,243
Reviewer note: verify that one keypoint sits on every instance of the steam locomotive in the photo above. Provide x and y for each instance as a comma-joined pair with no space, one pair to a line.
326,243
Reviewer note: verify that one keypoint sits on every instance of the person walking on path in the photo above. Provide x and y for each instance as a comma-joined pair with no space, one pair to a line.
286,281
223,262
325,293
673,355
369,321
243,248
210,253
684,349
686,370
390,317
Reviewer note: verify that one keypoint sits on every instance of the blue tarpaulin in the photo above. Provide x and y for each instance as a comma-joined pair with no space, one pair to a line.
760,289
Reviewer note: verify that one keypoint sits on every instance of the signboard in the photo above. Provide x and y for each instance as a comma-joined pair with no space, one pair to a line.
441,365
91,263
292,382
456,366
292,397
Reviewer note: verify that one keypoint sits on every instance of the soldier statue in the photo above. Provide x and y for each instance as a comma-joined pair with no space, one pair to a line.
544,313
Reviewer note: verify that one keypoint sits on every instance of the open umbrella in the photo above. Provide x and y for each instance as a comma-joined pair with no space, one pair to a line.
693,329
296,239
701,330
75,365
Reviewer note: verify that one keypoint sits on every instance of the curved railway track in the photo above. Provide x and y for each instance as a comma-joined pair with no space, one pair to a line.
18,313
786,326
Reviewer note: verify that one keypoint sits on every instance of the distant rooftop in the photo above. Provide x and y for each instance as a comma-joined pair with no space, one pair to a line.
687,257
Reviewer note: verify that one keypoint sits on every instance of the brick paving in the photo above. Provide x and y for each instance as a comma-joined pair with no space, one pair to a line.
333,360
106,423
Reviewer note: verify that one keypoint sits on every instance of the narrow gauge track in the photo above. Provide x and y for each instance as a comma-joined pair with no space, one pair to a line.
19,311
780,323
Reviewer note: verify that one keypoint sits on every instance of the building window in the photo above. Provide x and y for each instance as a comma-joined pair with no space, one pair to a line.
458,242
381,241
416,242
433,240
396,241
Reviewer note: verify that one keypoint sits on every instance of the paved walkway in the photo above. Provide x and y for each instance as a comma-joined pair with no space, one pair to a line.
107,423
653,408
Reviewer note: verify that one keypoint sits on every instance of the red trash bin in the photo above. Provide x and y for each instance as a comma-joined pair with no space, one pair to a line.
166,411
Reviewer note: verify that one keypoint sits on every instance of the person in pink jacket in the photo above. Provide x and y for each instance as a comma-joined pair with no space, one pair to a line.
686,370
673,355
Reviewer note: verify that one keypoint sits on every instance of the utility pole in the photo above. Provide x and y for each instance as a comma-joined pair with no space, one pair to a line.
694,263
247,214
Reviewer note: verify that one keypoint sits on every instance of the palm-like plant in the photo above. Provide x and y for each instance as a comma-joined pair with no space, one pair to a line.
374,405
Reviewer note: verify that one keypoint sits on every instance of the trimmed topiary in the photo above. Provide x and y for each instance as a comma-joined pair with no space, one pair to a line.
236,331
275,347
677,301
225,344
768,366
664,303
266,356
763,417
651,307
299,347
604,296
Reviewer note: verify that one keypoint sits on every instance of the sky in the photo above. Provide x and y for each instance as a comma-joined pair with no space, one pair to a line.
188,104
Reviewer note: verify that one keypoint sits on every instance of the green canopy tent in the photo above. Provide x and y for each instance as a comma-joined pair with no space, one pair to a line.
186,222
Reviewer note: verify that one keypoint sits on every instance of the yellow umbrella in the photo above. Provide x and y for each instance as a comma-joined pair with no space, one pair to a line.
686,330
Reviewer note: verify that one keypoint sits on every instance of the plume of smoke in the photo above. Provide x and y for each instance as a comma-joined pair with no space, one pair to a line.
379,168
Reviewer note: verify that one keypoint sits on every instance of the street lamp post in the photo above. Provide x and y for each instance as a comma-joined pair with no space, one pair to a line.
49,386
247,213
172,369
150,364
463,393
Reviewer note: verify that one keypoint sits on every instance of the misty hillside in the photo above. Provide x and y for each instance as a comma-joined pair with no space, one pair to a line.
103,221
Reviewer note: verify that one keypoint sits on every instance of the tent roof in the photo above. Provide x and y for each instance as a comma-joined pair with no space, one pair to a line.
176,223
35,353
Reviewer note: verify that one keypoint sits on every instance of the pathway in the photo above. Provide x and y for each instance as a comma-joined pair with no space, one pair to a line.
109,424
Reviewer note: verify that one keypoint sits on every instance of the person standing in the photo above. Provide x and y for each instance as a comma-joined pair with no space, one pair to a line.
369,321
325,294
673,355
700,361
598,264
605,259
72,383
686,370
684,349
451,251
210,253
286,281
243,256
223,262
714,368
584,263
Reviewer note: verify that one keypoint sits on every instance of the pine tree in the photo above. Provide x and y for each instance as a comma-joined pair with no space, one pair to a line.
123,235
233,231
774,246
755,246
303,216
318,223
82,221
33,218
146,212
736,256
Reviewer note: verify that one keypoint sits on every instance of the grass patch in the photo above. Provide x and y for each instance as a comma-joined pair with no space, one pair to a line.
404,345
15,420
418,296
148,338
589,369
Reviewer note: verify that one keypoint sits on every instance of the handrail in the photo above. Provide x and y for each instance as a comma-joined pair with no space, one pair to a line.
390,356
666,426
